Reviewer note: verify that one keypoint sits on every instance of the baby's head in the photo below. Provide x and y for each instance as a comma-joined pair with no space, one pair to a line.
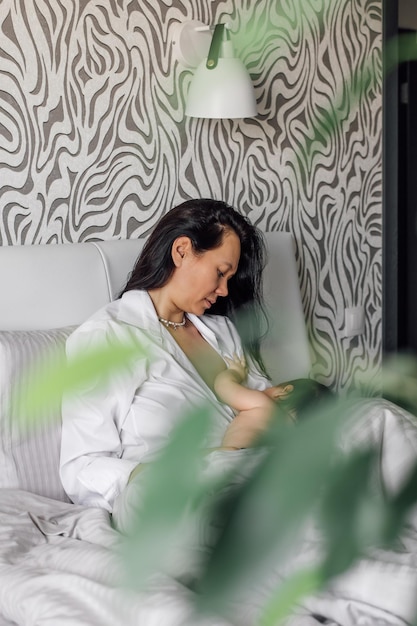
299,395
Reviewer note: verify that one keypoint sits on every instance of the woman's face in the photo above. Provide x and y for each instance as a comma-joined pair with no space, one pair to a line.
202,278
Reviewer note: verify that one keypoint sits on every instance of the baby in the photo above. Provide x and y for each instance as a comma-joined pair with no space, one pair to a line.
255,408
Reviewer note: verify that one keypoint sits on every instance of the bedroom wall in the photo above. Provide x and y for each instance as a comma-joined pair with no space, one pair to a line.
94,143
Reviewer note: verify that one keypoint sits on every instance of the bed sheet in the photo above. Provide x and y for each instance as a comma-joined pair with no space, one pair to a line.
59,564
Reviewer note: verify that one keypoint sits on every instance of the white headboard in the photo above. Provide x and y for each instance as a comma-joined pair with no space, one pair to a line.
56,285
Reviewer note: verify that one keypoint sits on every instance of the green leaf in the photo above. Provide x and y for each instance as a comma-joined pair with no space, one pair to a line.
399,381
270,510
399,50
400,506
168,498
351,512
42,386
292,590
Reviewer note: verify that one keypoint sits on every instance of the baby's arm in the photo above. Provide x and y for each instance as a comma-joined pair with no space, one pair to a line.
230,389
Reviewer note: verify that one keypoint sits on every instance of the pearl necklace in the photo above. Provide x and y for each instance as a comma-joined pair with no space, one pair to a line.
173,325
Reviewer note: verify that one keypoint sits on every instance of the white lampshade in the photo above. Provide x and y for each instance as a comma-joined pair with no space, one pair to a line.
224,92
221,86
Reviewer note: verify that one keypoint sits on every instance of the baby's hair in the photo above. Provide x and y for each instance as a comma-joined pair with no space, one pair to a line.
305,396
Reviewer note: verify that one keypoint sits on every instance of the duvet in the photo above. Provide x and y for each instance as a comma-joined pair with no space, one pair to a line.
60,564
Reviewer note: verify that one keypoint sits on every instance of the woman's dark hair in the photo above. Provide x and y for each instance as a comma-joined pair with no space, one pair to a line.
204,221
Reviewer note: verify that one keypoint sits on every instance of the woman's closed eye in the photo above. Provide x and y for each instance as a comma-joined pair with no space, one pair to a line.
221,274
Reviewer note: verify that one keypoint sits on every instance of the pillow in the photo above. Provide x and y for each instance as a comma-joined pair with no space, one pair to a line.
29,458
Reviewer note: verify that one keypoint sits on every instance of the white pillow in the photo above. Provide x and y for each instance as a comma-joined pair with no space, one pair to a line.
29,460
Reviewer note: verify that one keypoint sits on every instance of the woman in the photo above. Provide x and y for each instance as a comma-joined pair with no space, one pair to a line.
200,268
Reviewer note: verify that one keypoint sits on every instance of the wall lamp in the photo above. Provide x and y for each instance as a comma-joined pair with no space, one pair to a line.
221,86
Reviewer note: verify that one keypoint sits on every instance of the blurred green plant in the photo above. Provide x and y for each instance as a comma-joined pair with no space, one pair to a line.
43,383
300,478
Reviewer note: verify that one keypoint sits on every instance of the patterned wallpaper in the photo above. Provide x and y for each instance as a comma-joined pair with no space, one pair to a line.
94,143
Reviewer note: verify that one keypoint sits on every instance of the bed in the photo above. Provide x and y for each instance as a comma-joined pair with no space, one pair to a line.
57,560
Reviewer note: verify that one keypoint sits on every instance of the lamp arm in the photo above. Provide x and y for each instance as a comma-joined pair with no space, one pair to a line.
216,42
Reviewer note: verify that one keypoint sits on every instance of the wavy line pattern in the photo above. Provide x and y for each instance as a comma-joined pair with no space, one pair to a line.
94,143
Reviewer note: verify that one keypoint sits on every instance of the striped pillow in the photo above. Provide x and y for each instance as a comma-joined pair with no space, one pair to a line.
29,459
